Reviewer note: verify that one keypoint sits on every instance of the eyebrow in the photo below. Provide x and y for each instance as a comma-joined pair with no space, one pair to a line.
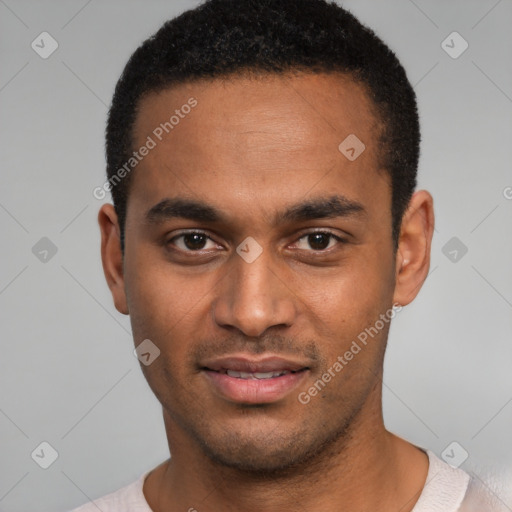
183,208
316,208
322,208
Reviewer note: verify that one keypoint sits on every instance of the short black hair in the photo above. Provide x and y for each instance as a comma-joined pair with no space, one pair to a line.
222,38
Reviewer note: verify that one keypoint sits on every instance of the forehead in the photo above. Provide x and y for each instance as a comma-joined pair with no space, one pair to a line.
263,137
321,106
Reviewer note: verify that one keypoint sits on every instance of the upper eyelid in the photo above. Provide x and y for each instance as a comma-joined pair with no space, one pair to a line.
339,240
299,236
312,231
193,232
302,234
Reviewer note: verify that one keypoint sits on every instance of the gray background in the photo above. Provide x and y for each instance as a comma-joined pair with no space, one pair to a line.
67,372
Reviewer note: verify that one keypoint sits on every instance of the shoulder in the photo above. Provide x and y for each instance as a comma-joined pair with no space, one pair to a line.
450,489
444,488
484,497
130,498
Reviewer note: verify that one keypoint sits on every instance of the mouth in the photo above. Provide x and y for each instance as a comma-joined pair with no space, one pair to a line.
256,375
253,381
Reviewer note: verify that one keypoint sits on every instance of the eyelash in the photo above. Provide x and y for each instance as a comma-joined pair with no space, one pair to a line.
338,239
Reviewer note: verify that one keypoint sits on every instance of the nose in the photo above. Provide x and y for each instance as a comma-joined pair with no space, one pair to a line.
253,297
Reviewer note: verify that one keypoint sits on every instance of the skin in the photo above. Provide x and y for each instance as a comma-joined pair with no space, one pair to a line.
252,148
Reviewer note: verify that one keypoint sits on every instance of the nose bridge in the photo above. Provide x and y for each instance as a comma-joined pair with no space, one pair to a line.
253,298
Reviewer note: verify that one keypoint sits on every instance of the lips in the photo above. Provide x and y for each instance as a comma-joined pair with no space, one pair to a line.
249,365
247,380
255,375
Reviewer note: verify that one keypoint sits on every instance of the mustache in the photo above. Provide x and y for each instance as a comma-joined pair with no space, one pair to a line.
271,343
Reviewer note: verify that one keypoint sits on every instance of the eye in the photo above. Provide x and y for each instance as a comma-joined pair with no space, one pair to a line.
318,241
193,241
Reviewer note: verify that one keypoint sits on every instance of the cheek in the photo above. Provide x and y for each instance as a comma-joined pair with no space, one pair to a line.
345,318
169,308
158,297
348,301
163,310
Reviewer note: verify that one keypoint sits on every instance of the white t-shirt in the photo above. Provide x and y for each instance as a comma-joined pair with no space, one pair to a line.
445,490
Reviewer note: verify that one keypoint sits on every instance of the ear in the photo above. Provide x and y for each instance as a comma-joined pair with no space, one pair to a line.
112,256
413,254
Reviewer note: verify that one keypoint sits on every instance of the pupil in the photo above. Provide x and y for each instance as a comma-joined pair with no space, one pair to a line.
194,241
318,241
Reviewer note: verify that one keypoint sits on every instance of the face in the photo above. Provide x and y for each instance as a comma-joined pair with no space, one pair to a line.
256,255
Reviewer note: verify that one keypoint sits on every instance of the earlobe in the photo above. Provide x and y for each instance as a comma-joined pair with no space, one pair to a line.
112,256
413,253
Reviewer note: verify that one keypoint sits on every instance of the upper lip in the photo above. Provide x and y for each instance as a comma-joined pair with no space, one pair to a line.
253,365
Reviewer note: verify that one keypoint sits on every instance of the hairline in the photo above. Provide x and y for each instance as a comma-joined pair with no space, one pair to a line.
379,123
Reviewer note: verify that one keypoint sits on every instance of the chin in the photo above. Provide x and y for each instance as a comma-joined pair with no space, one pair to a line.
270,454
257,460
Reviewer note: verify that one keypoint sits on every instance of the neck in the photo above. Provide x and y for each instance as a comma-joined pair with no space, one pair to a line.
366,469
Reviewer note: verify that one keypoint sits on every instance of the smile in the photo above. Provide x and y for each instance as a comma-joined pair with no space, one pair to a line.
257,375
240,379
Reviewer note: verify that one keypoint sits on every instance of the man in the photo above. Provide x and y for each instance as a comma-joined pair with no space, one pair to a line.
262,159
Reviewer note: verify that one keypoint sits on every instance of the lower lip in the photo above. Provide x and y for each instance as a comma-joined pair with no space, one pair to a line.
254,391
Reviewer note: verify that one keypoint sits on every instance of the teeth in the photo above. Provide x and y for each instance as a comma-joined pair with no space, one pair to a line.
256,375
264,375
